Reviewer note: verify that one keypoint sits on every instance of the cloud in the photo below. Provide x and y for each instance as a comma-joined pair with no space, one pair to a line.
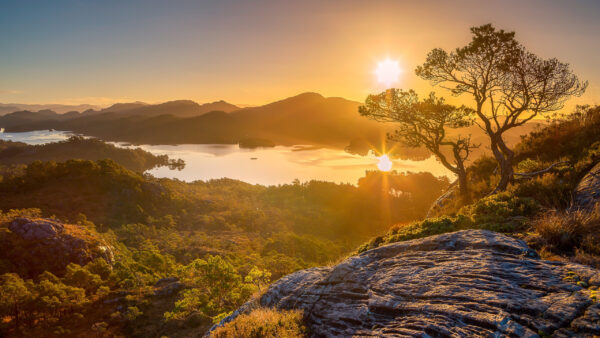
8,91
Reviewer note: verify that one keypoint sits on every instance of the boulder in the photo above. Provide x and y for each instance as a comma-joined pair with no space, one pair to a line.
462,284
39,244
35,229
587,192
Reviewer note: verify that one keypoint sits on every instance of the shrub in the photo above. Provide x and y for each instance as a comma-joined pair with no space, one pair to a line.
501,207
549,190
502,212
564,232
428,227
264,323
529,165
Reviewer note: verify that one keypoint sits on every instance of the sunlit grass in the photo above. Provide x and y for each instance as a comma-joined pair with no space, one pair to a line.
264,322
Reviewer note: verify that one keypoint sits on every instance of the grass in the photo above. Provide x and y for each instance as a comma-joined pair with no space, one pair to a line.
574,235
263,322
502,212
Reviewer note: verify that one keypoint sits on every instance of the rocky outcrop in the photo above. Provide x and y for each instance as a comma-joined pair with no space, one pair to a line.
39,229
37,243
466,283
587,192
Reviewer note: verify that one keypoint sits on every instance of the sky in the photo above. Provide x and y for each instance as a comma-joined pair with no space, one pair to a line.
258,51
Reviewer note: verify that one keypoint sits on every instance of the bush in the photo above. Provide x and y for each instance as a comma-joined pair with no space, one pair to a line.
264,323
428,227
549,190
500,208
502,212
567,232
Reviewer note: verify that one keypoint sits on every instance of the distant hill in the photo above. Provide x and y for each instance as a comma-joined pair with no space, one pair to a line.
308,118
138,160
181,108
6,108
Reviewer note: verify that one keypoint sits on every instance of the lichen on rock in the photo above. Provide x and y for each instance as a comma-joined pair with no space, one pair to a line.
465,283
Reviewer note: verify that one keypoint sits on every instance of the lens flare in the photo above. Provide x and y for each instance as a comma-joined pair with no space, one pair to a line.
385,164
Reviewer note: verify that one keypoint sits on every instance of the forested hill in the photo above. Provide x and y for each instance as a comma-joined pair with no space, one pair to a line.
164,235
17,153
307,118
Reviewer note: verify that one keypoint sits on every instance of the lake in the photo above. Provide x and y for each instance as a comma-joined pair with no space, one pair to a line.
267,166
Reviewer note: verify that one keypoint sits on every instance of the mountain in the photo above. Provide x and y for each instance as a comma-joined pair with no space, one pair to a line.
181,108
123,107
307,118
6,108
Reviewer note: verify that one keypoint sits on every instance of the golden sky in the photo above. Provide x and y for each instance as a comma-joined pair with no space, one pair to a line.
254,52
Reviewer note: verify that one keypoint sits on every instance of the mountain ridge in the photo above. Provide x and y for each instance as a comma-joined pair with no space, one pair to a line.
306,118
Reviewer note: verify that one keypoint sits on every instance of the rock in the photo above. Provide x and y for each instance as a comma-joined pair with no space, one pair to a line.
587,192
466,283
446,200
39,244
35,229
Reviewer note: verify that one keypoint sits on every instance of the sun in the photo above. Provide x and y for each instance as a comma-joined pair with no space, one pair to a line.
388,71
385,164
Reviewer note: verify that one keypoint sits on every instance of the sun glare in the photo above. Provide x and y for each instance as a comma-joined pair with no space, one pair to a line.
388,71
385,164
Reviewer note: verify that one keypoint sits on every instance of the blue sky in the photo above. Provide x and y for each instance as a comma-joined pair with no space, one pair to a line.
254,52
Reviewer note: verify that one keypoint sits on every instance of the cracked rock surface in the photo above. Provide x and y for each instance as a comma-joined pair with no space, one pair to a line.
466,283
587,192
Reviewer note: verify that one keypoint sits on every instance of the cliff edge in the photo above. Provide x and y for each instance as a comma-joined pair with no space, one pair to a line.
465,283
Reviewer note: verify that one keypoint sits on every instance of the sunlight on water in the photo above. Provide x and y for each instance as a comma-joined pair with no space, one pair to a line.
268,166
277,165
36,137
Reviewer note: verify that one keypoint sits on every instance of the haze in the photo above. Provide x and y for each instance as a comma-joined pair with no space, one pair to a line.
254,52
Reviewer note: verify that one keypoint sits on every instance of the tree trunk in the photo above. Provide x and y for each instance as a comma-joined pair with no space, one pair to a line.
505,158
506,175
463,186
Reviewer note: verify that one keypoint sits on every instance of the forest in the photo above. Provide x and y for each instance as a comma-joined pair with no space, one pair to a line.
223,240
18,153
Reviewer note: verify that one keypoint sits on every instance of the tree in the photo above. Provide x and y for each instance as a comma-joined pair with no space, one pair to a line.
424,123
258,277
216,288
509,85
80,277
14,296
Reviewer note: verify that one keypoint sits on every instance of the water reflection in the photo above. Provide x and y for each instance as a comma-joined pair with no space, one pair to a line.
268,166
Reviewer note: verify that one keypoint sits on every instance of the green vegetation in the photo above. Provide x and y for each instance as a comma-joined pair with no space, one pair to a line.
264,323
534,205
188,254
76,147
425,124
506,84
224,240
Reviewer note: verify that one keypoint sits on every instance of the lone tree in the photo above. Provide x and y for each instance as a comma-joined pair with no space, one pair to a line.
424,123
509,85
